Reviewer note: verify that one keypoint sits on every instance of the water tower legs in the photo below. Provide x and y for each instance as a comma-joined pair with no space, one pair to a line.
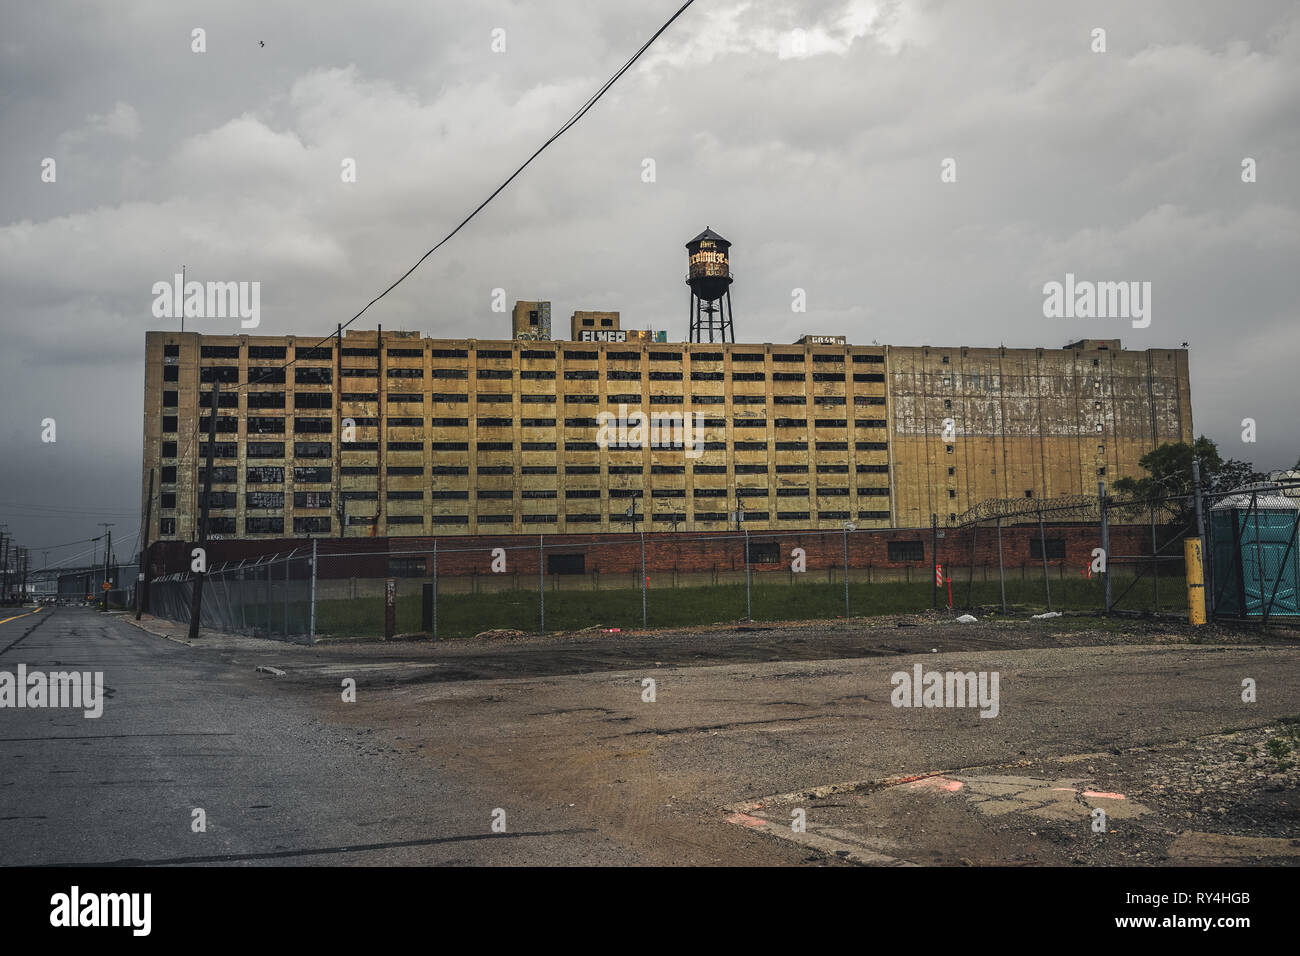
712,319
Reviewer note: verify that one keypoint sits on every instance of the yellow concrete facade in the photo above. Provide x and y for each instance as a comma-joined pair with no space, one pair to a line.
971,424
395,434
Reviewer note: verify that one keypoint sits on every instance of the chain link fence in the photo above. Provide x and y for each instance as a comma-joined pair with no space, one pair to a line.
1084,554
269,596
1093,553
640,580
1252,565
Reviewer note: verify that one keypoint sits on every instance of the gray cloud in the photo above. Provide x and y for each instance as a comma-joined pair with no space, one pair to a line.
819,158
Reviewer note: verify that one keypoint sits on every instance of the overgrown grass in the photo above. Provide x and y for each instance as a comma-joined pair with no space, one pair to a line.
464,615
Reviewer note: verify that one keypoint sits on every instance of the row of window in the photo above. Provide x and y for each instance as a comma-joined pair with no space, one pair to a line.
222,525
324,375
618,375
321,499
324,399
327,352
270,424
264,449
229,423
309,474
256,424
323,524
319,474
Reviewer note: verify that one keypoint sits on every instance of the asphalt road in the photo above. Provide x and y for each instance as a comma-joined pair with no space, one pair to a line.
183,730
746,726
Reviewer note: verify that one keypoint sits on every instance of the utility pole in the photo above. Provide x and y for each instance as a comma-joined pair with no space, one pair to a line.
1105,538
342,504
846,527
196,602
142,590
749,604
1002,579
108,550
4,564
1042,546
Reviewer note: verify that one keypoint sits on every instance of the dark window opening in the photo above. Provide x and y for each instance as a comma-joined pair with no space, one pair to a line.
407,567
566,564
1055,548
906,551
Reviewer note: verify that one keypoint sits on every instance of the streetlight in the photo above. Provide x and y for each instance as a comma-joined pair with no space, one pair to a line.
847,527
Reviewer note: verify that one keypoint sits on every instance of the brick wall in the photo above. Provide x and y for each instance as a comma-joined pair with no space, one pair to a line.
464,555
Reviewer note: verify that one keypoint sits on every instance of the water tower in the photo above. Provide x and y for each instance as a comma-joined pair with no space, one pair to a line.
709,277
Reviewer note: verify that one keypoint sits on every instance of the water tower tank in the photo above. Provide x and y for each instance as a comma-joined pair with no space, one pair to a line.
709,277
709,272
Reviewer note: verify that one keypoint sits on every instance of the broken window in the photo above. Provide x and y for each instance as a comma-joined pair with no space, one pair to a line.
313,375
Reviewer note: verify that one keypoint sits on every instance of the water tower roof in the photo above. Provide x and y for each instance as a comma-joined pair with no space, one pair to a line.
708,234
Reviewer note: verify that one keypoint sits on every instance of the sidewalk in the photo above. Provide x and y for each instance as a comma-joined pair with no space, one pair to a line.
208,638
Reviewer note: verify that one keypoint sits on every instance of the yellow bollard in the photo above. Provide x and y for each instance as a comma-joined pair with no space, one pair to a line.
1195,581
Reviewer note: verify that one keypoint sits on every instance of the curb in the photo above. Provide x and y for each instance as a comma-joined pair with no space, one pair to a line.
148,630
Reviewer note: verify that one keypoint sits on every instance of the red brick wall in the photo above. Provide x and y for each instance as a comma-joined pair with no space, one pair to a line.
668,551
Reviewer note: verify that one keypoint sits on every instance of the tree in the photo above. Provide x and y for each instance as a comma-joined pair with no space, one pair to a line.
1169,470
1169,477
1234,474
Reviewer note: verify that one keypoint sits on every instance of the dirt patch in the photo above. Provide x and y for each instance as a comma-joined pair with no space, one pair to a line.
1225,799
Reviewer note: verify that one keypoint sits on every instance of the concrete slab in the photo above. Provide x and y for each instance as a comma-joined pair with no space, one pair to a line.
1197,847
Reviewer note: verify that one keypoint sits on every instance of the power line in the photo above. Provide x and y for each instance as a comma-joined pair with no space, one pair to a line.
73,557
55,566
56,547
569,123
55,511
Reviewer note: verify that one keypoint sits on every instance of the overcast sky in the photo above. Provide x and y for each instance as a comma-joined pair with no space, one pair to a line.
810,134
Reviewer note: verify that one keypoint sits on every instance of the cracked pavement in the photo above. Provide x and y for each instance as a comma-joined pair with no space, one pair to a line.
746,725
